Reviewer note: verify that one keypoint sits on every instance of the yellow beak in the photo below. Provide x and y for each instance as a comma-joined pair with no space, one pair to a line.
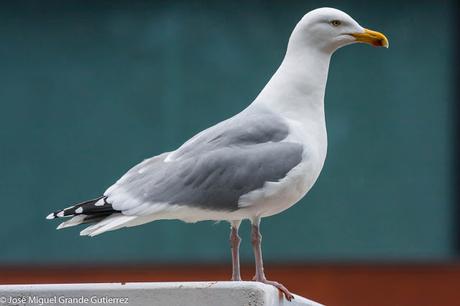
371,37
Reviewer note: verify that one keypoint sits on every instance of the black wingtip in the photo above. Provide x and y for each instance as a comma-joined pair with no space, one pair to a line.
92,207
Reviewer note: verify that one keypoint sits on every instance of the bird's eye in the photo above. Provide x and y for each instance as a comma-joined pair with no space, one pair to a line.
336,23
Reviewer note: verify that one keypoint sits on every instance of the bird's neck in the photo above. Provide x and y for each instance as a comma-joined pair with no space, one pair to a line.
297,88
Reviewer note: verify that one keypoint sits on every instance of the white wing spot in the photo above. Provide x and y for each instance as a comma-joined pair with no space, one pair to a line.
99,203
79,210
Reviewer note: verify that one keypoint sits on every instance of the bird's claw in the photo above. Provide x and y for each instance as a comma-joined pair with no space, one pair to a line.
289,296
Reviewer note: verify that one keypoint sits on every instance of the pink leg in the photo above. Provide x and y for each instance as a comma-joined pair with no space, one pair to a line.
235,245
256,238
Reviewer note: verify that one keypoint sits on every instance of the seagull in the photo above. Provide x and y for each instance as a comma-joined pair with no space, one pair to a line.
255,164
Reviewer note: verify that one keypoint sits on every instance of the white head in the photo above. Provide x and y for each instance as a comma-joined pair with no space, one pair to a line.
327,29
298,86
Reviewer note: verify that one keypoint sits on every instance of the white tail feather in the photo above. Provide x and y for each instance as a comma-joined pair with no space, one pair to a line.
72,222
110,223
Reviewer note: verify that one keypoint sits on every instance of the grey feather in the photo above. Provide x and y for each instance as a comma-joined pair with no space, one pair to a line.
252,126
214,169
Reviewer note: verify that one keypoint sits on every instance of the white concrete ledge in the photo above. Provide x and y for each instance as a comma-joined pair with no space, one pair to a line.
143,294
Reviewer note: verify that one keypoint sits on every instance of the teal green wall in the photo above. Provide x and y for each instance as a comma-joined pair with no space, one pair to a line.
88,89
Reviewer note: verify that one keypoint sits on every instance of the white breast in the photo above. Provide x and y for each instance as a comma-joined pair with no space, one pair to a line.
274,197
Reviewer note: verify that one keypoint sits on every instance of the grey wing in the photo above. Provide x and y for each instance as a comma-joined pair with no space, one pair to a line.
253,126
211,171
